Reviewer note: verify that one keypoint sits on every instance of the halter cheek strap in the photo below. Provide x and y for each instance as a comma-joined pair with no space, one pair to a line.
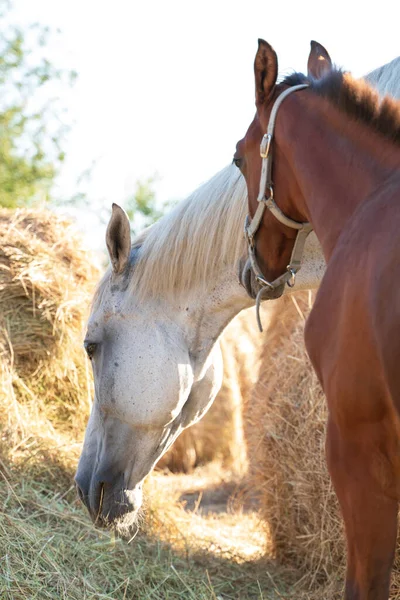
266,200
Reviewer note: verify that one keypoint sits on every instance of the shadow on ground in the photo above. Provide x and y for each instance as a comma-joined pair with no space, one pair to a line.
186,551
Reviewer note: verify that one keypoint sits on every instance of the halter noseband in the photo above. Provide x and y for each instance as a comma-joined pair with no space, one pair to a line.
267,201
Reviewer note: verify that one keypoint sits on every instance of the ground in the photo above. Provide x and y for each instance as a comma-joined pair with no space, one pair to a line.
201,539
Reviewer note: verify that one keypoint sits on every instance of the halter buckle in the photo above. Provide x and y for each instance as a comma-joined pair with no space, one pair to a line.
249,236
265,145
292,279
262,281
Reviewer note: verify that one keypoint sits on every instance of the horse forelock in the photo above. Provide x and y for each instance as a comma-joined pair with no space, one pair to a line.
187,248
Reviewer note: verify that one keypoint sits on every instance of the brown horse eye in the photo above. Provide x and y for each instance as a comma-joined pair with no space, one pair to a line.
90,349
237,162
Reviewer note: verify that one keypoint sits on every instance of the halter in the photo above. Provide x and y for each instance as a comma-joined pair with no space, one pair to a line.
267,201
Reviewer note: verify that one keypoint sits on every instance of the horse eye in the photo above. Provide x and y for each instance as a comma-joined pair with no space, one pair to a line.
90,348
237,162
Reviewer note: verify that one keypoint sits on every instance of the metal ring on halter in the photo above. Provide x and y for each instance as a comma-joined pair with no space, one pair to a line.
290,282
261,279
271,194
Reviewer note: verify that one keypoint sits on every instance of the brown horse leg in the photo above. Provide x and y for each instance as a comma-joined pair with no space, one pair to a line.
369,514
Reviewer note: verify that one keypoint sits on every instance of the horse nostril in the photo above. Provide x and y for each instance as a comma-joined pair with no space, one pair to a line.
80,493
100,501
82,488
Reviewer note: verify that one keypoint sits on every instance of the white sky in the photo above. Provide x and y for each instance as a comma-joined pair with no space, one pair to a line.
167,85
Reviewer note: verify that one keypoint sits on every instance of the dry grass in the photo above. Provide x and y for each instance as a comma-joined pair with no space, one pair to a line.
50,550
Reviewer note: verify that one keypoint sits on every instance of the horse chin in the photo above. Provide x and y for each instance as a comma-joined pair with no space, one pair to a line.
252,287
247,279
126,526
120,511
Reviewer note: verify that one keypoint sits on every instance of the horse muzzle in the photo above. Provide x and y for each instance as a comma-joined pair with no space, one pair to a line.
109,502
252,286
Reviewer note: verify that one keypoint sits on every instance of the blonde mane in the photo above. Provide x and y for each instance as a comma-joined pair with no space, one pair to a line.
188,247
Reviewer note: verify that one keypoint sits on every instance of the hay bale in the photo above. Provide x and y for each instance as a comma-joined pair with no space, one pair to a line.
47,278
285,432
219,435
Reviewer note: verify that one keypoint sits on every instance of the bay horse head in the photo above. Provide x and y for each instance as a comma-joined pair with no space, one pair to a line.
275,258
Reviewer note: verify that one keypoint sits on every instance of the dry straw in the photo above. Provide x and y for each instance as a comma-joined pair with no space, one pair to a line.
47,278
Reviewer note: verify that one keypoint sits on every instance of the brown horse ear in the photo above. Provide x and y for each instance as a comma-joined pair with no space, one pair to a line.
118,239
265,71
319,61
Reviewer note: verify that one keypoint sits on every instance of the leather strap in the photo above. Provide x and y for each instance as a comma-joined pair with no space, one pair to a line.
264,201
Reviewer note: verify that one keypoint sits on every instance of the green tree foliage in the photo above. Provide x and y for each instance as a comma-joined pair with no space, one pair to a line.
31,135
141,207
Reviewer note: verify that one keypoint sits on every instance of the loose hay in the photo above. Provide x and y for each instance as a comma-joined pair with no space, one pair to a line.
50,550
285,431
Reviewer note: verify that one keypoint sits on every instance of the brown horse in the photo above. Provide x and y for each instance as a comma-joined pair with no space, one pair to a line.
335,151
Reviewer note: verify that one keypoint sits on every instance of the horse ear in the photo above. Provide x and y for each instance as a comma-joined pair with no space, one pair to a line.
118,239
265,71
319,61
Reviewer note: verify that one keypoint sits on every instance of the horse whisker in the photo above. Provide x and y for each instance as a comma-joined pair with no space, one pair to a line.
100,503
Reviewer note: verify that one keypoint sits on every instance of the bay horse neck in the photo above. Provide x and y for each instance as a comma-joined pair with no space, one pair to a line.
334,164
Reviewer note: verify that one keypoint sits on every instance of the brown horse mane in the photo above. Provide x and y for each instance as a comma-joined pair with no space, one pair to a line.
357,99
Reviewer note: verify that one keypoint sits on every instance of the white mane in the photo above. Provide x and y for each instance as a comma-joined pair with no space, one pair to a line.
188,247
386,79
